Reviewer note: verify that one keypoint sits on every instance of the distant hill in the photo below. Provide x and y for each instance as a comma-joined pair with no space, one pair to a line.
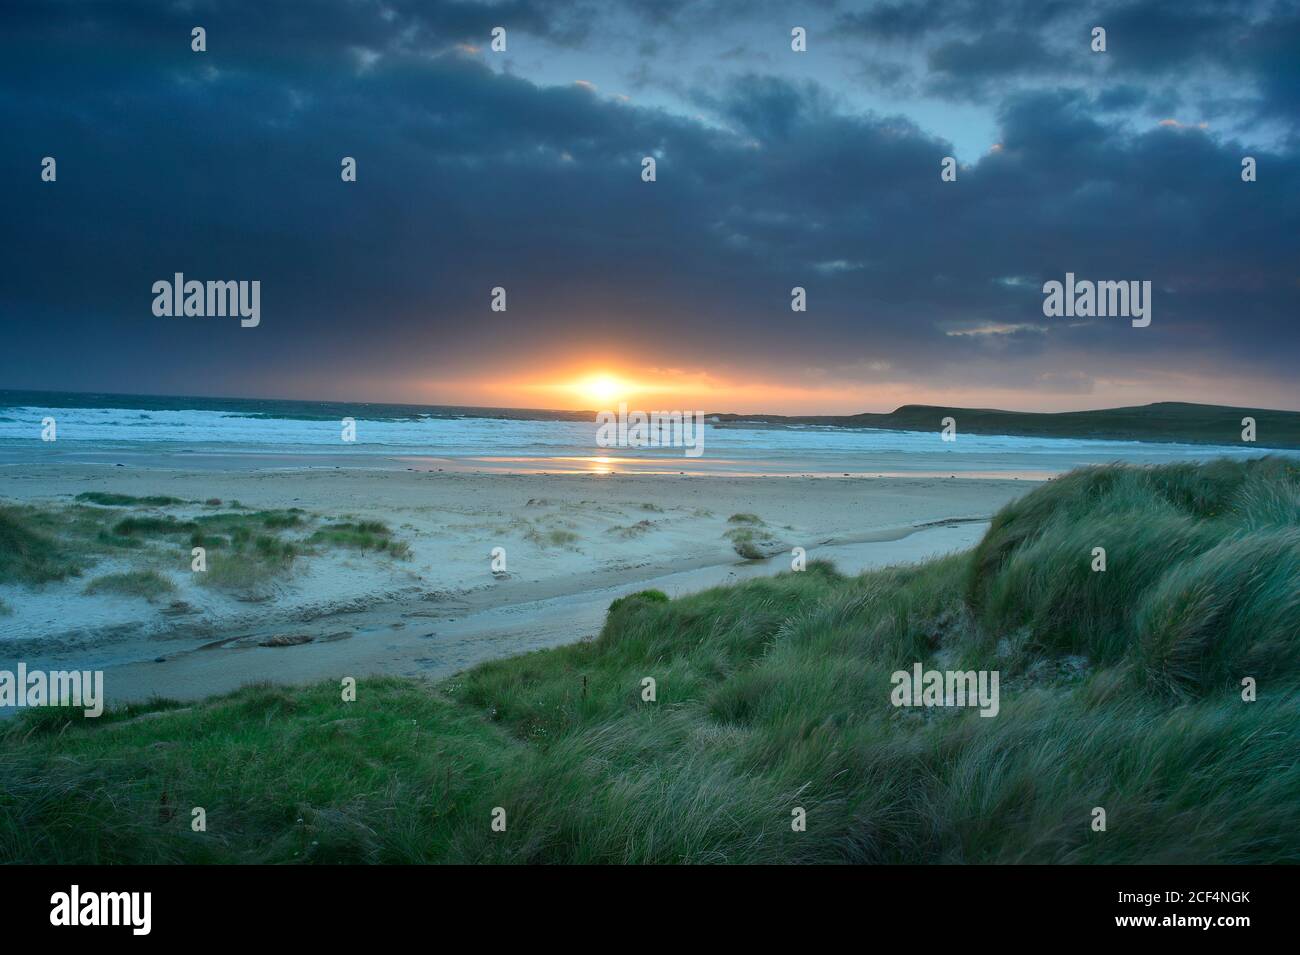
1164,421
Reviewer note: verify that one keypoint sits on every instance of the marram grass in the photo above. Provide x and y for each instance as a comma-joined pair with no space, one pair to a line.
1120,689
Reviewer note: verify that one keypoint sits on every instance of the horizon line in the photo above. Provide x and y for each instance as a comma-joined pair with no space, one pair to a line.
586,411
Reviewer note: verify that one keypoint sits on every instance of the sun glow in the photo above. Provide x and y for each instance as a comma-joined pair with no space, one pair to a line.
602,388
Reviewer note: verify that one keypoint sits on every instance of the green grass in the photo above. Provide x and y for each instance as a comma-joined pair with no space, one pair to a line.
312,792
631,531
246,524
247,563
77,529
111,540
27,554
240,574
645,596
752,543
246,551
148,584
551,537
1119,689
361,535
127,500
226,521
153,526
750,538
1202,565
40,544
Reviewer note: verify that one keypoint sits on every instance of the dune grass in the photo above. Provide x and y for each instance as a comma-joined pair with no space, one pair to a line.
361,535
43,544
27,554
151,526
1120,689
551,537
750,538
148,584
1202,563
109,499
226,523
631,531
311,793
245,562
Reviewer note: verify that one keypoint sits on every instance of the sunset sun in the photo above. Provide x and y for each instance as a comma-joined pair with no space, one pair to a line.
602,388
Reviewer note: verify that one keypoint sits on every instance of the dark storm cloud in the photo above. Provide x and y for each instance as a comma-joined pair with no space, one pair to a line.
225,165
972,49
296,31
994,54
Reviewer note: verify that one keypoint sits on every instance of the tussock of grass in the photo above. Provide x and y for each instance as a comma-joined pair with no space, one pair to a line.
751,539
644,596
228,521
81,529
1117,690
125,500
28,556
274,549
148,526
279,519
148,584
246,524
752,543
631,531
361,535
238,573
550,537
251,563
245,552
112,540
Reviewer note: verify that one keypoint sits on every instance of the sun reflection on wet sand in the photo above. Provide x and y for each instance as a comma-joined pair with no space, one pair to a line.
606,465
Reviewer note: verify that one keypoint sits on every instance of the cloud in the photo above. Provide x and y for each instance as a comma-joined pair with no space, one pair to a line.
968,50
1001,328
472,177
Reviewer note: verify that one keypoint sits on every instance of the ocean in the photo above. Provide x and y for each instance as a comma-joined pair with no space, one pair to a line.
126,429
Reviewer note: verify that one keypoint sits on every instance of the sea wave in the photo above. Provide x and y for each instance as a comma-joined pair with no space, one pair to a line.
763,448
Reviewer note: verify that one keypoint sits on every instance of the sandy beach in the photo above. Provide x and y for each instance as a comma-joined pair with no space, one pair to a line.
572,543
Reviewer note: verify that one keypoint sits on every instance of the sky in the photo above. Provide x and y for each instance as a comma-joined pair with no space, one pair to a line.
522,169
